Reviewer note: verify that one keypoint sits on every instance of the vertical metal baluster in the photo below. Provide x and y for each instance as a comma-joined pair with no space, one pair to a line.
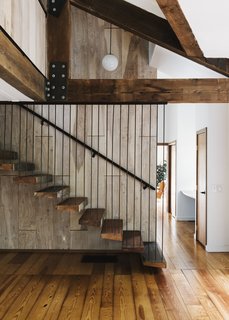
85,123
98,156
54,165
156,206
120,156
19,137
48,143
62,155
142,110
127,164
106,205
76,148
91,153
41,160
150,145
69,147
11,128
135,141
33,139
4,134
26,138
112,168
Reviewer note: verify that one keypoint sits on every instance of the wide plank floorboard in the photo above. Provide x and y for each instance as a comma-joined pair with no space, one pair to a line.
58,285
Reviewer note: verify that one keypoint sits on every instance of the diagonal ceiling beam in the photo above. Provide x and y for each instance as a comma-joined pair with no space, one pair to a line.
17,70
145,25
180,26
149,91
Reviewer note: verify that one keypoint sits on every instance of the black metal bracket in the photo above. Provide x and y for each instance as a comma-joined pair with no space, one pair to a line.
55,7
56,86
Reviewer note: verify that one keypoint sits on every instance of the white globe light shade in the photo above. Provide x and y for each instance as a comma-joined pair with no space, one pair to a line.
110,62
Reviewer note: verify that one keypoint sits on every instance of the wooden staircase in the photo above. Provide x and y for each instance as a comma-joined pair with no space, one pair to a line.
111,229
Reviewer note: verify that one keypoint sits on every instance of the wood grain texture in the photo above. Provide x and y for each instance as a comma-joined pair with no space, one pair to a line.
146,91
112,229
92,217
40,225
145,25
25,22
18,71
90,32
53,284
58,36
180,26
72,204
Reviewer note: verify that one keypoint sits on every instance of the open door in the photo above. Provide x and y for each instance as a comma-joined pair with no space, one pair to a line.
172,179
201,190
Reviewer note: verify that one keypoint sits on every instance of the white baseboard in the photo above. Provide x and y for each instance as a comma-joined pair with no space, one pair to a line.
222,248
191,218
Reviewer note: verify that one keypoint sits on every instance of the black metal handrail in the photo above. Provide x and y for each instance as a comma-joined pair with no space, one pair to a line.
93,151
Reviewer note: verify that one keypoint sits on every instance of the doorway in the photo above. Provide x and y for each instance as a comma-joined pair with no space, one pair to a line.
201,186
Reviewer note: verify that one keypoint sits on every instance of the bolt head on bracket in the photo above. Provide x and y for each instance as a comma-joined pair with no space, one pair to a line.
55,7
56,86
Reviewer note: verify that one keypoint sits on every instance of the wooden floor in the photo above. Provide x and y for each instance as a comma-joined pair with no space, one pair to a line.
195,284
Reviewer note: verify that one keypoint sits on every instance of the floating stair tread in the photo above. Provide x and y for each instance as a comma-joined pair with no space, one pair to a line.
52,192
153,256
75,204
92,217
18,166
8,155
112,229
132,241
34,179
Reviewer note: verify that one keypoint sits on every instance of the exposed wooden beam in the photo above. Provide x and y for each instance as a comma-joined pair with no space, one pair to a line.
18,70
145,25
149,90
180,26
59,35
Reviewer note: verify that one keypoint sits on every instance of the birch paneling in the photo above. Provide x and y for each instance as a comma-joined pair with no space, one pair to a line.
91,42
126,134
25,22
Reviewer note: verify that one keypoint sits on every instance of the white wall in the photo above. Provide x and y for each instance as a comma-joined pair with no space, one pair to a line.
183,121
180,127
215,118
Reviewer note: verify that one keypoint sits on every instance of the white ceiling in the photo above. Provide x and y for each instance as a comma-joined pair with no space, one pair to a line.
208,19
9,93
148,5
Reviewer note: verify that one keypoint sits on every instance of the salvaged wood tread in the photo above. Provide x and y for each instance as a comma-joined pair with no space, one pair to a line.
18,166
153,256
8,155
75,204
92,217
132,241
34,179
112,229
52,192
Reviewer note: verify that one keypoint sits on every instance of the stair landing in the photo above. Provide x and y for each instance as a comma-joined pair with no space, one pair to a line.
112,229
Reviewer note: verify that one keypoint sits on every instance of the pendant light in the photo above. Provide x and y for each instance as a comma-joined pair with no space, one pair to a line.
110,61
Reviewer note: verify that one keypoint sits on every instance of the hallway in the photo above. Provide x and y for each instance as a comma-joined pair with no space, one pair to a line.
57,285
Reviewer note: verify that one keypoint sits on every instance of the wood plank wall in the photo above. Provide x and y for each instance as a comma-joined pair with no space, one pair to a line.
28,222
25,22
91,42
